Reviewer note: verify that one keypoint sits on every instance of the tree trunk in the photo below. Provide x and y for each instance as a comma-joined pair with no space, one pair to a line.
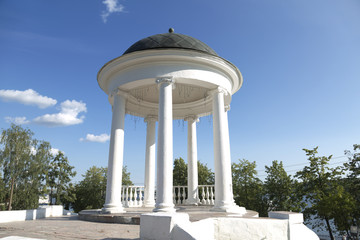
51,195
349,235
11,193
329,228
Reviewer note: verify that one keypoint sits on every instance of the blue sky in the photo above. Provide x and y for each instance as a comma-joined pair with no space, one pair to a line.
300,61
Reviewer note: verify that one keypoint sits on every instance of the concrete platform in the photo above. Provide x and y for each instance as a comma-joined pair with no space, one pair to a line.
132,215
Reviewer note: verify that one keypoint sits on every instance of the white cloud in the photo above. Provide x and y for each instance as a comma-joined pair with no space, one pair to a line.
112,6
27,97
17,120
67,116
93,138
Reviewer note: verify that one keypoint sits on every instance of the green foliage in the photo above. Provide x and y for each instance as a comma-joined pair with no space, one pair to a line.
343,212
126,177
15,156
91,191
205,175
2,193
59,177
180,172
352,183
69,196
322,190
24,162
247,187
280,190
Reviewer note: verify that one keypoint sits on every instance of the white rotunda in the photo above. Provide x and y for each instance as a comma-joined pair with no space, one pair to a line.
160,78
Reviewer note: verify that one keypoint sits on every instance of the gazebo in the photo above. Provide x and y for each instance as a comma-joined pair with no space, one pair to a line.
160,78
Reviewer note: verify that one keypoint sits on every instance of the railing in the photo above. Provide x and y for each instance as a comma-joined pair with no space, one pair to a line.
179,195
206,195
133,196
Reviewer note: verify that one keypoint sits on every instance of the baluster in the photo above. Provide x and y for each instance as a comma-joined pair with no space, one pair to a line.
131,197
182,200
180,195
197,195
207,196
136,200
134,197
184,195
139,196
122,196
174,196
142,193
212,196
127,197
203,195
177,190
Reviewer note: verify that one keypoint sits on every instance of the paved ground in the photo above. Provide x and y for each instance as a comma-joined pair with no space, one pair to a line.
67,227
70,227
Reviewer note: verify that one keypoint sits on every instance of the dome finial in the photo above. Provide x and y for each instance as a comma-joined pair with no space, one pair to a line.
171,30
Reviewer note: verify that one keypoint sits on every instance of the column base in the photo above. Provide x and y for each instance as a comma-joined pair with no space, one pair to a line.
229,208
149,204
164,208
111,208
191,202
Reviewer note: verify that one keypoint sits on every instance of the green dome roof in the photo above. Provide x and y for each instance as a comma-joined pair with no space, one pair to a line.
170,40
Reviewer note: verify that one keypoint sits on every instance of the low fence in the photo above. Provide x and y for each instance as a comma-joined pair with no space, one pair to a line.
133,196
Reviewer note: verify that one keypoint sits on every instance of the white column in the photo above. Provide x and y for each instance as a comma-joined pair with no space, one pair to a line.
149,192
192,161
164,193
227,108
116,154
222,160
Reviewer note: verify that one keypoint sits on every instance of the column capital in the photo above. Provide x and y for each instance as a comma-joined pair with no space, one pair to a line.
191,118
118,91
168,80
165,80
218,90
150,118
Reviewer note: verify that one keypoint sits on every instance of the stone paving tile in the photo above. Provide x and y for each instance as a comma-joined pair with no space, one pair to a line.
69,227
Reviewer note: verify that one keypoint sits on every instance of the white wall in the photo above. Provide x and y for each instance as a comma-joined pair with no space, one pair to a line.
32,214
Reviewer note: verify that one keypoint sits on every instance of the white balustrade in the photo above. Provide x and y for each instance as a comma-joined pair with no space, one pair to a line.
206,194
179,195
133,196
